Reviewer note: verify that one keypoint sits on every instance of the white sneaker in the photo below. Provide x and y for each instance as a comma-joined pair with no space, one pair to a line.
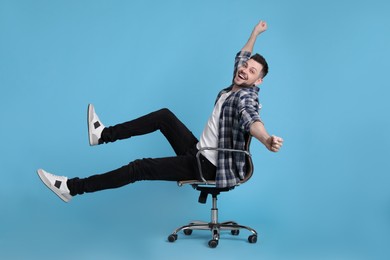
56,183
95,126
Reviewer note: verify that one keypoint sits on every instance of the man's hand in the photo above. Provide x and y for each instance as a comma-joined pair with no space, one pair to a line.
274,143
259,28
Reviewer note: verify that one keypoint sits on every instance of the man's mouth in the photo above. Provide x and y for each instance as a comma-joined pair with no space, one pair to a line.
242,76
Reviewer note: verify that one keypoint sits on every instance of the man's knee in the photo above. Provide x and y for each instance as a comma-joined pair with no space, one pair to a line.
165,113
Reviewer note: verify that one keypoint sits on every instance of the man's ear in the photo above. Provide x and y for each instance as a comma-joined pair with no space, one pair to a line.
258,82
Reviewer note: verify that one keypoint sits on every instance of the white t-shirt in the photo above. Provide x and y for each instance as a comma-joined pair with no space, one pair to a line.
209,137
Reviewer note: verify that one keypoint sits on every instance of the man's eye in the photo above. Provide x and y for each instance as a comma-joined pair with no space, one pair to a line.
252,71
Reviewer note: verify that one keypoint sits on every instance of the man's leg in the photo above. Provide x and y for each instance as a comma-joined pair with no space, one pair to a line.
177,134
182,167
167,169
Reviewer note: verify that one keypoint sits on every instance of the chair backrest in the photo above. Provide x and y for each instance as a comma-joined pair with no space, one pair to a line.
249,168
248,164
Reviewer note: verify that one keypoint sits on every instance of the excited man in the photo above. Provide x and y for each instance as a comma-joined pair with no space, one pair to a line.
235,115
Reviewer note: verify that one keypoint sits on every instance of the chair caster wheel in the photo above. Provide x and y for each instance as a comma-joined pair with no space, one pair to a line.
187,232
213,243
235,232
172,238
252,239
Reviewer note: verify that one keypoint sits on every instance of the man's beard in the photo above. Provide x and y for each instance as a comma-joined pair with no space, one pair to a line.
244,85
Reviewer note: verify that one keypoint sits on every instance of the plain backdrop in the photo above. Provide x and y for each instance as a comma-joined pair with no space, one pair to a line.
324,196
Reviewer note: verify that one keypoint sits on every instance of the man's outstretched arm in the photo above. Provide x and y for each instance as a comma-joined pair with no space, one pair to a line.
273,143
259,28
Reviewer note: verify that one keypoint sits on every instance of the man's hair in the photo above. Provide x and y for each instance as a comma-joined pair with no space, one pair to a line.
260,59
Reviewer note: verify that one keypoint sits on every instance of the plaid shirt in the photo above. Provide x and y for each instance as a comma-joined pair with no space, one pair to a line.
238,112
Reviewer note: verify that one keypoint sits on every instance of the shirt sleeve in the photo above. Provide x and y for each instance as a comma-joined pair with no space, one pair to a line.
241,57
249,112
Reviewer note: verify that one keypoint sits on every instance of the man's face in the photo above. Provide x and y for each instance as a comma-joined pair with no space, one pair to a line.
248,75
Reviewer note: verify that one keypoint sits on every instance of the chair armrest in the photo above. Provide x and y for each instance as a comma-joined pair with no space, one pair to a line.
215,149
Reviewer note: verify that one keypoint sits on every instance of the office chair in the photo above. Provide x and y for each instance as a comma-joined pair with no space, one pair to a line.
207,187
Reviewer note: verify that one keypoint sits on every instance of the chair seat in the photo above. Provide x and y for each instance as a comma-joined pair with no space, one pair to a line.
195,182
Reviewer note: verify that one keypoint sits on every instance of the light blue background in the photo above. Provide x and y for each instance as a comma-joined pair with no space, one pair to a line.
324,196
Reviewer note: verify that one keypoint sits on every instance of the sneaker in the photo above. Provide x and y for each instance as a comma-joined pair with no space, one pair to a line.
95,127
56,183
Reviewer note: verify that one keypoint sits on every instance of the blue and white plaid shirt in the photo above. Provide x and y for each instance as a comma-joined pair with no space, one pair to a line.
238,112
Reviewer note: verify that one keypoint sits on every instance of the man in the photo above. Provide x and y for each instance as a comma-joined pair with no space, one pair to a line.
235,114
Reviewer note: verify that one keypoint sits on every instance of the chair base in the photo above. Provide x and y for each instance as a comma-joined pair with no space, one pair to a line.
215,229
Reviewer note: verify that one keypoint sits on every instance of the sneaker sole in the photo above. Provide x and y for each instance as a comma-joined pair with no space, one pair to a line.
89,118
41,175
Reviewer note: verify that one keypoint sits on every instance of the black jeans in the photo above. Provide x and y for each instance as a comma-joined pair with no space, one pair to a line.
183,166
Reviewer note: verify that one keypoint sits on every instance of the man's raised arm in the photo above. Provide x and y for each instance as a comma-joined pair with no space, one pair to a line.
259,28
